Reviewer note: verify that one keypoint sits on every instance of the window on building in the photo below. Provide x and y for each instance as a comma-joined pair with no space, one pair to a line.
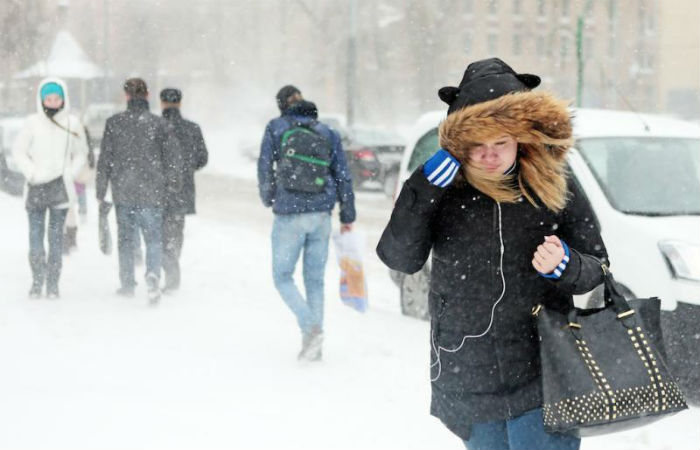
564,44
517,7
468,6
612,10
493,7
565,8
612,45
541,7
540,45
517,44
492,43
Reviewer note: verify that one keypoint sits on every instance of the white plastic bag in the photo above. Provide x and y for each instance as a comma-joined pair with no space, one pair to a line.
353,287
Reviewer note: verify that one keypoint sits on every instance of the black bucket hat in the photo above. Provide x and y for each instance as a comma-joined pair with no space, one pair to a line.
485,80
171,95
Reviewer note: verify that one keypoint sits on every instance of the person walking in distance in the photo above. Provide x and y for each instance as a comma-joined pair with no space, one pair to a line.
178,204
302,173
50,150
140,159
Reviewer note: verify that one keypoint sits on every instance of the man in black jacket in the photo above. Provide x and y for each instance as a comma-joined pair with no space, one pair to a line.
178,204
140,159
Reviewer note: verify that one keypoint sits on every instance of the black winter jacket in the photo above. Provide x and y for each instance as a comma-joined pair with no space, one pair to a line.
195,157
496,376
140,157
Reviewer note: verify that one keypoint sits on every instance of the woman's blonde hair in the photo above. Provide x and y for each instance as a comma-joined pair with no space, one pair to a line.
541,176
542,126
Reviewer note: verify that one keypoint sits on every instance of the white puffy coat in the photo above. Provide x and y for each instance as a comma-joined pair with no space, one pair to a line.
44,151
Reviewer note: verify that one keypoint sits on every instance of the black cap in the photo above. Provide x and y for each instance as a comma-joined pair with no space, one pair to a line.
284,93
486,80
171,95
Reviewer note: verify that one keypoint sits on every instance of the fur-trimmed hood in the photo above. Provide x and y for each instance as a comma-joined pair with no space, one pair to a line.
539,122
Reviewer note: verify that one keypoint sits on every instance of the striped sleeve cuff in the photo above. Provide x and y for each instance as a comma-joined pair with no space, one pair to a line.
559,270
441,168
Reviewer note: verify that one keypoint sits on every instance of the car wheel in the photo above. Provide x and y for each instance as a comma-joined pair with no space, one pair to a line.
681,331
414,294
390,183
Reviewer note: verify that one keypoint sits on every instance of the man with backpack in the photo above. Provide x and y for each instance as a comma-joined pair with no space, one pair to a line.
302,172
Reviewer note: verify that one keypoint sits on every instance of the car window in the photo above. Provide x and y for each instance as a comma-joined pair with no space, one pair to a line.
650,176
424,149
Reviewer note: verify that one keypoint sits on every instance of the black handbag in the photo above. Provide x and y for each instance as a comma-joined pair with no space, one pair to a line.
52,193
47,195
604,369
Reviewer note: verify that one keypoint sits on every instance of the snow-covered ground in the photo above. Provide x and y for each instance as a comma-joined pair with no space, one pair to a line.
214,367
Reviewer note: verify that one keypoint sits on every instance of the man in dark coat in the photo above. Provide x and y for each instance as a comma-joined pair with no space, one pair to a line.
140,159
194,156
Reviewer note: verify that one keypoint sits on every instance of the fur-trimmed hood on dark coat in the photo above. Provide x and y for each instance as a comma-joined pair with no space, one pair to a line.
539,122
482,283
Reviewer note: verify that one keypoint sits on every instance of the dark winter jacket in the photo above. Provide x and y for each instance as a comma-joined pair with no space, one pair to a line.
495,376
194,155
286,202
140,157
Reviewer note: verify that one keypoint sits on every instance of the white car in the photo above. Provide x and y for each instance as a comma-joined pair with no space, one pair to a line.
641,174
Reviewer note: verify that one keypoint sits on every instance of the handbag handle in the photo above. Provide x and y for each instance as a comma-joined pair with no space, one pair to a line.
612,295
613,299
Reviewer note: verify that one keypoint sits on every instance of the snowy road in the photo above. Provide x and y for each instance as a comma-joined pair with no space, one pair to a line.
215,366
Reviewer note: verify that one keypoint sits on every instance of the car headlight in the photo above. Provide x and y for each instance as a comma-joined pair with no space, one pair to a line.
683,259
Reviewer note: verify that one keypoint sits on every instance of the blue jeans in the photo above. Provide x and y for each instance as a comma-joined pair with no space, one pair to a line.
293,234
129,220
44,269
525,432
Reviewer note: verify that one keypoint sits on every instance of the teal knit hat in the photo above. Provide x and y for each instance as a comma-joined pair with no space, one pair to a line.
51,88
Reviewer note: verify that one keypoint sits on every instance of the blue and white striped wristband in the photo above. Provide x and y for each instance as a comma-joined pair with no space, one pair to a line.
441,168
556,273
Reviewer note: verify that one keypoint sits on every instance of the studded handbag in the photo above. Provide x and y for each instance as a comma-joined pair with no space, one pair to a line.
604,369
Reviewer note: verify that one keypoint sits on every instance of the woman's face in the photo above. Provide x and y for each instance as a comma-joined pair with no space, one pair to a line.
495,155
53,101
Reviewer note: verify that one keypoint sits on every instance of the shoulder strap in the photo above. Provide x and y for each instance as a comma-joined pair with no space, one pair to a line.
68,130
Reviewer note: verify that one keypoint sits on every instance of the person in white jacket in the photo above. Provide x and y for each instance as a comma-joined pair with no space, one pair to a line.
50,151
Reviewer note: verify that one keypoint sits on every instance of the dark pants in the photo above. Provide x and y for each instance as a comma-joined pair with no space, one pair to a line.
44,269
525,432
173,236
129,220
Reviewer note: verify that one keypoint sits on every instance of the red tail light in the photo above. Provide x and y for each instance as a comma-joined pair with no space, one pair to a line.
365,154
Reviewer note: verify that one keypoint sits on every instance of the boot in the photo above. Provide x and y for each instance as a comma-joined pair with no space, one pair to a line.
313,351
126,291
52,291
35,290
38,266
153,288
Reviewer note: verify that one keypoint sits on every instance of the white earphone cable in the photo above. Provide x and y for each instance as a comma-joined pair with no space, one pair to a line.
436,348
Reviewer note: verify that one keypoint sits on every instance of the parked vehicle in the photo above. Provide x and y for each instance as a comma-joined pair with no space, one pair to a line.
374,154
11,180
387,148
641,174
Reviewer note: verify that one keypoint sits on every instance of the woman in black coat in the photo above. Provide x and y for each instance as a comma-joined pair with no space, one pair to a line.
508,229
